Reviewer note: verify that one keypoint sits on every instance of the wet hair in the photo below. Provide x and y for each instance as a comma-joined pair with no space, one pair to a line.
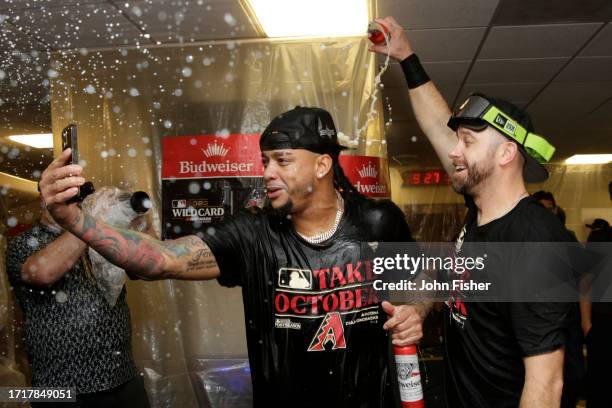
545,195
341,182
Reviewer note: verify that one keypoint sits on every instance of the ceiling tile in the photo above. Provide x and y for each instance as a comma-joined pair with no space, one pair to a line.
457,44
588,69
523,12
566,102
196,21
515,70
601,45
517,93
82,26
536,41
42,4
399,100
441,73
415,14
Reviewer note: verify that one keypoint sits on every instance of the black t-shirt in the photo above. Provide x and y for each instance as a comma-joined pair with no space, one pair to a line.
313,318
485,342
600,311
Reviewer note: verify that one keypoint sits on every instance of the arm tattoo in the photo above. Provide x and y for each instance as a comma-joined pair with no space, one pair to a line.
202,259
132,251
146,257
195,253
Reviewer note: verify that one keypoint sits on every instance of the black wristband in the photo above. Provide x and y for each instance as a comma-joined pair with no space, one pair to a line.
413,71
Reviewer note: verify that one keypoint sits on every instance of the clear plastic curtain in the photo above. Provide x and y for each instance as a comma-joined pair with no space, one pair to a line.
435,213
186,334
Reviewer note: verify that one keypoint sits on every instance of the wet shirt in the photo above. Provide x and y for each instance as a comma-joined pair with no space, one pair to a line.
313,319
485,342
73,337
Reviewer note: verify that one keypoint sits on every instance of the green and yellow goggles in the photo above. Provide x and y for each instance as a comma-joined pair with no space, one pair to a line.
478,112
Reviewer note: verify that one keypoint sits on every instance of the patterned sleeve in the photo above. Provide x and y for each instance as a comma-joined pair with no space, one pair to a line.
17,252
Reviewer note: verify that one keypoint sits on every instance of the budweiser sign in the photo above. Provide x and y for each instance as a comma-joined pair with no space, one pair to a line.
211,156
369,175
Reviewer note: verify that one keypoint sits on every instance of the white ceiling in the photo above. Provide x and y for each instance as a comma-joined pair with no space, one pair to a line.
555,61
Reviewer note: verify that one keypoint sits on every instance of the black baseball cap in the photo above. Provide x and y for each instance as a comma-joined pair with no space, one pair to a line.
480,111
598,223
302,128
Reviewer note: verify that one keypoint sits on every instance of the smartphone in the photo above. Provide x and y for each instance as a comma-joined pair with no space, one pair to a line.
69,140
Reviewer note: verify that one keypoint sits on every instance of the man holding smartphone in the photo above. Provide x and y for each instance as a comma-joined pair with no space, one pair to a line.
317,331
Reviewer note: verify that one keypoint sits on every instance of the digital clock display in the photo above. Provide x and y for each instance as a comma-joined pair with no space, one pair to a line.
426,178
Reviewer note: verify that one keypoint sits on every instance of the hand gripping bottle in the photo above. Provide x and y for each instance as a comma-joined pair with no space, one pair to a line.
377,31
409,376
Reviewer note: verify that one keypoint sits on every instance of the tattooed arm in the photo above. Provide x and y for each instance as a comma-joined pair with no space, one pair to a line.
143,256
139,254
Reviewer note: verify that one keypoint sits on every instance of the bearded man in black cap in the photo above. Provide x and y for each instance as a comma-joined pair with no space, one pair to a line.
315,325
504,354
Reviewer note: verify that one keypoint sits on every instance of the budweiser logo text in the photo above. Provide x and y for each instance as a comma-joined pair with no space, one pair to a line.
370,188
204,167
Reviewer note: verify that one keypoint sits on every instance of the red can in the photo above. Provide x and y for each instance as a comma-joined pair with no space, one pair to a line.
377,31
409,376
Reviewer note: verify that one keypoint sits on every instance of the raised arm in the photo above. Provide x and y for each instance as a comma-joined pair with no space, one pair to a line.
430,108
137,253
44,267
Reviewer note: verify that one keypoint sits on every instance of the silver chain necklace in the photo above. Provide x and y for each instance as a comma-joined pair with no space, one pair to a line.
324,236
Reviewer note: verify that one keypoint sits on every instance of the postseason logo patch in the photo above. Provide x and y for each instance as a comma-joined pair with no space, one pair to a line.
507,124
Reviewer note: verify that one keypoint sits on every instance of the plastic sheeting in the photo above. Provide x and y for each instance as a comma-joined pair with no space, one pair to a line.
435,213
124,101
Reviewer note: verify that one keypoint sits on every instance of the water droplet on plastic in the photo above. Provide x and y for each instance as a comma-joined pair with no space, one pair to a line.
194,188
229,19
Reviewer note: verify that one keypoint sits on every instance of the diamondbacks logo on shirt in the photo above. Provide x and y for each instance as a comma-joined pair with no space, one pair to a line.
322,302
330,331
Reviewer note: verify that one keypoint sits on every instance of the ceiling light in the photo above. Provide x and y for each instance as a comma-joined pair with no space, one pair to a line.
39,141
589,159
311,18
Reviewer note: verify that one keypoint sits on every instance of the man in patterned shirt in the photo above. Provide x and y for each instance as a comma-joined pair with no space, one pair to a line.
73,337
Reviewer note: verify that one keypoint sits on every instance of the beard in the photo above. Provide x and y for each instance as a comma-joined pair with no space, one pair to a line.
281,213
476,174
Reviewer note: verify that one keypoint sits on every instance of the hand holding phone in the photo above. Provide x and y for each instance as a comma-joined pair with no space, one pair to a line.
69,140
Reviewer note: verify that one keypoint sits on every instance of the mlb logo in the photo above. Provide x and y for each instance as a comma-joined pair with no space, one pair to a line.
179,203
291,278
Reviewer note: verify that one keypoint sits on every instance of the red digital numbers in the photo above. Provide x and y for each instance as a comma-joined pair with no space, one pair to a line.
426,178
